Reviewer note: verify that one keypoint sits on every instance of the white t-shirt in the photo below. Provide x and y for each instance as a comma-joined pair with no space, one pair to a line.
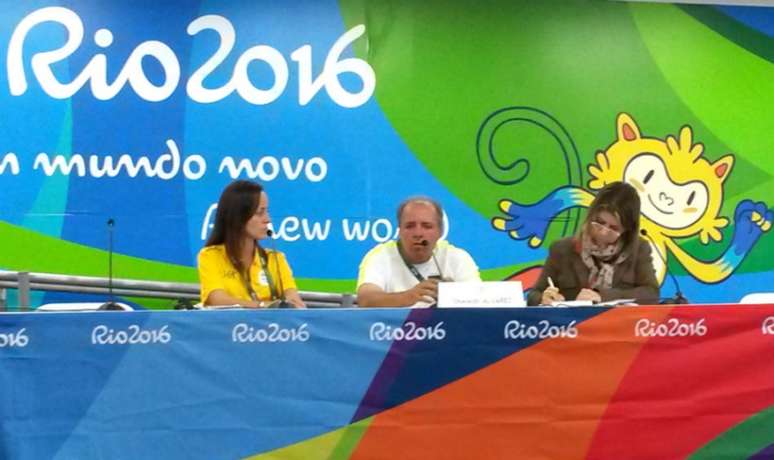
384,267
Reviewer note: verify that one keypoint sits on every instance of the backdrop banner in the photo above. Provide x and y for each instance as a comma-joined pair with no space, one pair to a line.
512,114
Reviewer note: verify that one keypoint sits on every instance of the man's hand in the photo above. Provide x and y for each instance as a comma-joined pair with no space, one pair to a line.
426,291
371,295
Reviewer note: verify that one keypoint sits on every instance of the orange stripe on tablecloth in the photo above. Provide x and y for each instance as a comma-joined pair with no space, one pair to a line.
543,402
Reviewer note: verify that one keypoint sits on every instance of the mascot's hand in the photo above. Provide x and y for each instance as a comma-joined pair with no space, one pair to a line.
526,222
751,220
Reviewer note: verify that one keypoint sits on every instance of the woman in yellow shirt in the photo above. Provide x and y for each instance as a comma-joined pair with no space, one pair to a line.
233,268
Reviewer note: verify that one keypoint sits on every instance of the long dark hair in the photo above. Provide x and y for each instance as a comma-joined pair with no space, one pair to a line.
622,200
236,206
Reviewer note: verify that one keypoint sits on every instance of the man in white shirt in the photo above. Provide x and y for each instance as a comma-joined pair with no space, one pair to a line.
406,272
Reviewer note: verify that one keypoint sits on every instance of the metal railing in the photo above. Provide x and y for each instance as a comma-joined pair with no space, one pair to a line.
25,282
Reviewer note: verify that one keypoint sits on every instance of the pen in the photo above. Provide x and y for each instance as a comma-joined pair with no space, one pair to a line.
551,283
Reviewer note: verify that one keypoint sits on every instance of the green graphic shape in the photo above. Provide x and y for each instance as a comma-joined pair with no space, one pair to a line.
749,436
337,444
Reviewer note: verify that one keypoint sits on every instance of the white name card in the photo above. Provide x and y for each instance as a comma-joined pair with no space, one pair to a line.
481,294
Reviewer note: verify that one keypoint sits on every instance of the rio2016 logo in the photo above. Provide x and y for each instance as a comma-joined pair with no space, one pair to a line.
273,332
542,330
95,71
673,327
408,331
16,339
767,327
133,335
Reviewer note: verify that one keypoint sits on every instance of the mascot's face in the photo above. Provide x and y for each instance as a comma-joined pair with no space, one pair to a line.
680,191
665,202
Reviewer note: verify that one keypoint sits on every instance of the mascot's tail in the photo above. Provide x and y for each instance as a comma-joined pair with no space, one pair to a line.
515,170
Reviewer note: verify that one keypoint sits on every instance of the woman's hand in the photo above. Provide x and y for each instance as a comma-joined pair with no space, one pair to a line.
589,294
294,298
297,303
551,294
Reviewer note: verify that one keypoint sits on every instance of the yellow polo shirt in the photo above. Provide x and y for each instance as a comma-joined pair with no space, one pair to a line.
217,272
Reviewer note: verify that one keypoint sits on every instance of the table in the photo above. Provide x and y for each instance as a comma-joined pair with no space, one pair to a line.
560,383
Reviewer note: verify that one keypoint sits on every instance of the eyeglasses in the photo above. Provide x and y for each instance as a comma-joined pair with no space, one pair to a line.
605,229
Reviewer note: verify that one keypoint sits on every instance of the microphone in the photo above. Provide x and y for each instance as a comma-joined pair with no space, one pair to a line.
678,298
110,305
282,302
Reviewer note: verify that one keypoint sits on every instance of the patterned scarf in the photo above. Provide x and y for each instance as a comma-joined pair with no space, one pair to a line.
601,262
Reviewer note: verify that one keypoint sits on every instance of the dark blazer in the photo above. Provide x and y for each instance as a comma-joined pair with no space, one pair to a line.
635,278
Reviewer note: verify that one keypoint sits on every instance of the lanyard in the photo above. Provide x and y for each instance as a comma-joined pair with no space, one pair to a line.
410,266
265,269
249,286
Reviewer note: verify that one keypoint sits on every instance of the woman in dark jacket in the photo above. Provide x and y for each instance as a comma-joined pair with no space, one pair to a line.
606,260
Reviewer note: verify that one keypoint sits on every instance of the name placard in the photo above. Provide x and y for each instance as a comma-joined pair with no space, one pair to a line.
481,294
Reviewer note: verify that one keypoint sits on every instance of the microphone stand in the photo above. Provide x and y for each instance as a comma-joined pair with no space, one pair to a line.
678,298
110,305
440,276
435,261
